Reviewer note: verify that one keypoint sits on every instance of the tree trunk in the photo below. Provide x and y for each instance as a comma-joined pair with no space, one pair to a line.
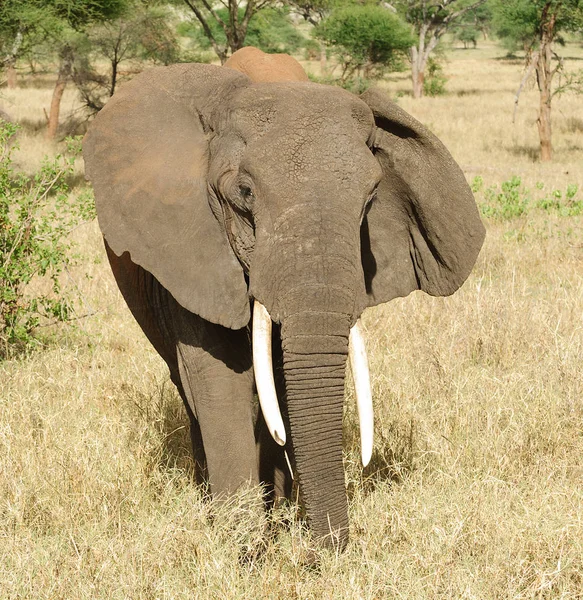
418,81
544,123
65,69
544,78
10,60
11,80
417,74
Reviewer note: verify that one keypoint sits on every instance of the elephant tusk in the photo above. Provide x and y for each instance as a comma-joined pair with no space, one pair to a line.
361,375
263,369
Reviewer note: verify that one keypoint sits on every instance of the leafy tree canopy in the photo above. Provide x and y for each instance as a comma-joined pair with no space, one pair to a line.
366,37
269,29
518,22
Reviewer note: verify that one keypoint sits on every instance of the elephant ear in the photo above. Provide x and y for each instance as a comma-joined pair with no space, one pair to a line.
423,231
147,156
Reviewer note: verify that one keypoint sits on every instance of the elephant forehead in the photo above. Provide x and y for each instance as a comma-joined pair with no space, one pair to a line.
305,132
296,106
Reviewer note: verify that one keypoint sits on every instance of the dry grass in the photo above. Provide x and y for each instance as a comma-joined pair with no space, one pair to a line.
475,486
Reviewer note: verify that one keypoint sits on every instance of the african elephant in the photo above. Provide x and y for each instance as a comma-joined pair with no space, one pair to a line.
238,212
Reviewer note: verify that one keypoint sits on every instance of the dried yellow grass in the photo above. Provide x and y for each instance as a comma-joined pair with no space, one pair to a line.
474,490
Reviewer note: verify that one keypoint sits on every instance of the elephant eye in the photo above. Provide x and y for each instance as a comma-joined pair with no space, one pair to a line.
246,192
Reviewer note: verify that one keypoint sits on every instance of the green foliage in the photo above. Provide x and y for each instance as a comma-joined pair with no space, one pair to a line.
564,204
269,30
467,34
141,37
477,184
356,85
514,200
510,202
472,24
435,79
36,214
366,39
311,50
517,22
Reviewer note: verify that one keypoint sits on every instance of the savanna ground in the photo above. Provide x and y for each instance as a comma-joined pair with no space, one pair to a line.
475,487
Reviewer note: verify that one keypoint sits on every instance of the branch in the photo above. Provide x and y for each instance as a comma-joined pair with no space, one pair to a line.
573,82
250,10
214,14
437,25
207,30
533,61
454,15
560,64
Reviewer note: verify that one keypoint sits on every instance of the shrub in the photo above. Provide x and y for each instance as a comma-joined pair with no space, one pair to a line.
435,80
36,214
566,205
512,201
367,40
356,85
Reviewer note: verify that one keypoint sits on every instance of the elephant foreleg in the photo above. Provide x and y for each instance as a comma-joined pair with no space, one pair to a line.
211,367
214,365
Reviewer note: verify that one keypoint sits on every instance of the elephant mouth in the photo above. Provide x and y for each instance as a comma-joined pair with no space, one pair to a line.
263,369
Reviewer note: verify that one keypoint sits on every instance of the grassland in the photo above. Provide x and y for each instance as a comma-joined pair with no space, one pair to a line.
475,487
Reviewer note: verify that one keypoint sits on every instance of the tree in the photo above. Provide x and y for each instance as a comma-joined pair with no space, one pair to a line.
431,20
537,25
142,35
472,24
60,23
233,21
314,12
367,39
269,30
19,31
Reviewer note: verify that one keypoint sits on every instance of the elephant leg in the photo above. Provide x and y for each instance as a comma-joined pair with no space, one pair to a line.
211,367
215,370
200,466
274,470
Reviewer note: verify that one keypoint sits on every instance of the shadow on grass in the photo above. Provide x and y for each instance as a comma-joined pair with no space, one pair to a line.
392,460
510,59
166,424
573,125
32,126
531,152
75,180
38,81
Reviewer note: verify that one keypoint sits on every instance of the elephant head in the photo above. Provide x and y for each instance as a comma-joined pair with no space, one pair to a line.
304,198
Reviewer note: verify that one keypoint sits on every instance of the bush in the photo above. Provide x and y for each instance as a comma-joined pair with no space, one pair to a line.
270,30
356,85
311,50
435,80
36,214
514,200
367,40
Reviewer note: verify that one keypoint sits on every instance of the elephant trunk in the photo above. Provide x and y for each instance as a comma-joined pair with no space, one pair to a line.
315,348
314,297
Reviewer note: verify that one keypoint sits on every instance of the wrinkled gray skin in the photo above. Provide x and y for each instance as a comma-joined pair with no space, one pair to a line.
213,191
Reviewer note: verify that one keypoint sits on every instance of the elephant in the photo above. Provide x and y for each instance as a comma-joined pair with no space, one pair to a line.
248,222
